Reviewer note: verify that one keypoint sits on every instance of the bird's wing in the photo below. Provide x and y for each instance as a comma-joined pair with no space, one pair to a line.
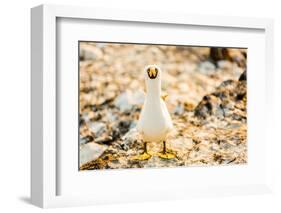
164,96
167,116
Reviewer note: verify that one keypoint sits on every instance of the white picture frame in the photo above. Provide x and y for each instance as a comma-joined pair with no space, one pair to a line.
44,135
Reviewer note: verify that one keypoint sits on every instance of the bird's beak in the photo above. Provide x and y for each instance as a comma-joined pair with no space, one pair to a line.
152,72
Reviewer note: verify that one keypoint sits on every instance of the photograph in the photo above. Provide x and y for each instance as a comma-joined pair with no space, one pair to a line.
161,105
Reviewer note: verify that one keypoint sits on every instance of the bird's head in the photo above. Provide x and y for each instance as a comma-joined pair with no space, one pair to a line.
152,76
152,72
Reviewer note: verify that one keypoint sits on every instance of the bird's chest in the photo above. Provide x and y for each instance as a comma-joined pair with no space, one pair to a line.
153,122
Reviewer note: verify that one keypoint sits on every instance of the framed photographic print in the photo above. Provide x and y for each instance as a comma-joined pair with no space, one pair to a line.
129,106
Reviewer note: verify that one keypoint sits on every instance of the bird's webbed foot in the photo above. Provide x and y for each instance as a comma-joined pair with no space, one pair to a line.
167,153
144,156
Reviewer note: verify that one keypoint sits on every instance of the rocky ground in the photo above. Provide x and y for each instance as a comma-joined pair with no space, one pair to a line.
207,100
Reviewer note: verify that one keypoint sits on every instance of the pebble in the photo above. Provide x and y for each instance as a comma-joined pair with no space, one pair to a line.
87,139
207,68
104,139
97,128
243,76
111,117
91,151
224,64
133,124
127,100
129,139
179,109
89,52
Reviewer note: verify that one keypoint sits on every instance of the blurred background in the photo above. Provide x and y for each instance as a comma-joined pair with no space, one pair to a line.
112,94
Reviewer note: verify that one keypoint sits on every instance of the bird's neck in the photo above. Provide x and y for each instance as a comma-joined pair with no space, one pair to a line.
153,89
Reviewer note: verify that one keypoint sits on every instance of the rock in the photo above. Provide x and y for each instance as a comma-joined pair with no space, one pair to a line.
226,85
168,79
126,101
235,125
120,128
107,139
87,139
182,143
133,124
224,64
111,117
89,52
239,57
90,151
97,128
183,87
207,68
222,103
243,76
179,109
158,163
210,105
130,139
217,54
85,117
232,55
124,126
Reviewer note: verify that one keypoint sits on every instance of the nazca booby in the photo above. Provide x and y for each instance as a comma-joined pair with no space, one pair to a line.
154,123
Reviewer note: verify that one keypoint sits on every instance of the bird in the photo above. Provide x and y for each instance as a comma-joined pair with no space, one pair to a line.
155,123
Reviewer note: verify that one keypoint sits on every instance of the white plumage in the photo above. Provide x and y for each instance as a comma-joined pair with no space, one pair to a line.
155,122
